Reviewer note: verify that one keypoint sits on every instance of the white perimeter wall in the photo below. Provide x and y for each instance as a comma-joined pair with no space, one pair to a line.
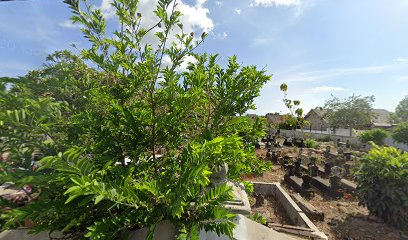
334,137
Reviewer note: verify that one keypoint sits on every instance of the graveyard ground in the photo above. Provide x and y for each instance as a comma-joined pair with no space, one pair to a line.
343,218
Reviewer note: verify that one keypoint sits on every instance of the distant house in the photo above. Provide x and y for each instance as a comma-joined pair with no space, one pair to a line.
316,118
381,119
275,119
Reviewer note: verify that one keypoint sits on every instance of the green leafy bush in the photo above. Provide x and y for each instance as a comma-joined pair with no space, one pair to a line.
324,139
249,187
400,133
383,184
376,135
258,218
135,103
310,143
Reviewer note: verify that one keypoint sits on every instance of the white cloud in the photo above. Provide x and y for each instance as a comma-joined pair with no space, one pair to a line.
259,41
184,64
323,75
237,10
326,89
195,18
400,78
218,3
69,24
107,9
271,3
186,61
200,3
221,36
400,60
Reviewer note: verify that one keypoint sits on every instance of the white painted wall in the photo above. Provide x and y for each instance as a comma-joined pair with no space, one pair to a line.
390,142
321,135
338,132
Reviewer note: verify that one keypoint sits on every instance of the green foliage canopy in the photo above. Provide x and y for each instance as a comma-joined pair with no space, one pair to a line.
310,143
352,112
131,106
375,135
294,119
400,133
401,111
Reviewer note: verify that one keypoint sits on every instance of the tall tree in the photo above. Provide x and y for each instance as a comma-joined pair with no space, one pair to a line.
294,119
352,112
138,106
400,133
401,111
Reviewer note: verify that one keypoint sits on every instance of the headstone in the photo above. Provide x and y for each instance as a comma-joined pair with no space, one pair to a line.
257,146
240,202
337,171
274,157
347,156
327,168
302,143
219,175
347,167
313,170
297,172
335,184
290,170
306,181
269,154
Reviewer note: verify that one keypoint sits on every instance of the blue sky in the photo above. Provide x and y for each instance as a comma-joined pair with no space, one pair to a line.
318,47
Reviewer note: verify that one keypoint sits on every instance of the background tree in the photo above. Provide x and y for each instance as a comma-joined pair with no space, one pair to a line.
134,107
376,135
33,107
400,133
294,119
352,112
401,111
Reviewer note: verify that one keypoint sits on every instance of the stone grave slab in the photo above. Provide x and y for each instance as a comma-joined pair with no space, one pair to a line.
240,203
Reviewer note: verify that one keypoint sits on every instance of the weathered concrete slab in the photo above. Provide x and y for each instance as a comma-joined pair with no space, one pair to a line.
297,216
164,230
295,182
321,184
308,208
348,184
245,229
240,204
22,234
6,190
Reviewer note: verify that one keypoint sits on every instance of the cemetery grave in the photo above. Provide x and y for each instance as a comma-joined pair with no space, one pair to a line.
339,215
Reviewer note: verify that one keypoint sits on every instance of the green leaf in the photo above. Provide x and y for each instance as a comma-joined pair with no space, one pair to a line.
98,199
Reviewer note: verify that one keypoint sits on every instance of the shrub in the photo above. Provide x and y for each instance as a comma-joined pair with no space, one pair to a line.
400,133
141,103
383,184
326,139
310,143
375,135
258,218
